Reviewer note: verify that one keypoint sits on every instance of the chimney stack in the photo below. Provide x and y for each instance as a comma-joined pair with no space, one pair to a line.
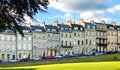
102,22
56,23
113,23
92,21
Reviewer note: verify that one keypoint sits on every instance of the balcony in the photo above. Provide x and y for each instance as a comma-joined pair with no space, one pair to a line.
66,46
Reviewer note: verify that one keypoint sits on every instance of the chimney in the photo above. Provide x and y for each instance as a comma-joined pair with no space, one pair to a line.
92,21
43,24
81,22
113,23
73,22
28,25
56,23
102,22
69,22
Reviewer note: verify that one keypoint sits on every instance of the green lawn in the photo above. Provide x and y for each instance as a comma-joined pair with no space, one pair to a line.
72,66
83,60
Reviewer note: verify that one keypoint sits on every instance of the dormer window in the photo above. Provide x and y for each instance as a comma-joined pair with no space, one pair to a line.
62,28
53,29
66,28
76,28
48,29
81,29
39,30
25,31
70,29
88,26
93,27
112,28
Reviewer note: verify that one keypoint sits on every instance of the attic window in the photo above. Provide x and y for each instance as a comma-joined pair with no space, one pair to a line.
112,28
62,28
38,30
88,26
48,29
53,29
25,31
76,28
81,28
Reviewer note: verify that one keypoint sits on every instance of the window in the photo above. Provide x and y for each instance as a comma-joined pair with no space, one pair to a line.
8,38
82,42
74,34
2,38
65,43
61,35
93,27
19,37
88,26
86,41
3,56
8,56
62,28
76,28
24,38
29,38
39,30
48,29
78,42
65,35
62,43
19,47
70,44
70,35
90,42
53,29
81,29
13,38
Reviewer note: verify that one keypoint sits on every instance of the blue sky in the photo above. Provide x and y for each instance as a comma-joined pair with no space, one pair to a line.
63,10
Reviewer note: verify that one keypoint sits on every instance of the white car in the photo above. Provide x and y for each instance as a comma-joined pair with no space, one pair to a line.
37,58
13,60
58,56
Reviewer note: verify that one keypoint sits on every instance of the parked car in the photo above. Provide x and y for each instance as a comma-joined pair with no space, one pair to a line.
98,53
12,60
58,56
24,60
68,56
49,57
0,61
77,55
37,58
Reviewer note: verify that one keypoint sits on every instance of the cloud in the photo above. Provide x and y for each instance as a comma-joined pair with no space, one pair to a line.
66,16
115,9
78,5
91,14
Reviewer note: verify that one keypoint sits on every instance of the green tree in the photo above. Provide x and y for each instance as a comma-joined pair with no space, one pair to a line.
12,12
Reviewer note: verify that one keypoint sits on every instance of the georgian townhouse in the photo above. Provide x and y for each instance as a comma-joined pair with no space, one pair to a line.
7,45
24,44
101,36
38,41
89,36
118,37
66,41
77,37
53,39
112,37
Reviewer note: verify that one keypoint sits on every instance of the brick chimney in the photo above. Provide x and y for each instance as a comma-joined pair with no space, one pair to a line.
69,22
43,24
102,22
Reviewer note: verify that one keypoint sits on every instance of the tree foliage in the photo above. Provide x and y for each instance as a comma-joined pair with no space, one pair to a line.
12,12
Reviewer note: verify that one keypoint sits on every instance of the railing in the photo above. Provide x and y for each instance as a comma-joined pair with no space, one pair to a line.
63,46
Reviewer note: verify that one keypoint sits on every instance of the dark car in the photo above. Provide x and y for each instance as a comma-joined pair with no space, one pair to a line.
49,57
24,60
77,55
0,61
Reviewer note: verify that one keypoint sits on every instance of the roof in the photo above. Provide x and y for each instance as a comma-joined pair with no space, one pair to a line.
51,27
34,27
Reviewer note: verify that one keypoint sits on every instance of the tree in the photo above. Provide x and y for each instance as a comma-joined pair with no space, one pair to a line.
12,12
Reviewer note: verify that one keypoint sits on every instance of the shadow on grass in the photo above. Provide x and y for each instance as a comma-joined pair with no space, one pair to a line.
18,69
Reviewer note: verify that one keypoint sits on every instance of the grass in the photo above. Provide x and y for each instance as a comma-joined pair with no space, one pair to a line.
72,66
102,58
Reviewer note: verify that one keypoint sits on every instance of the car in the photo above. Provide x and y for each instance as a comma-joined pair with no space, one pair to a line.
12,60
24,60
0,61
68,56
98,53
77,55
36,58
58,56
49,57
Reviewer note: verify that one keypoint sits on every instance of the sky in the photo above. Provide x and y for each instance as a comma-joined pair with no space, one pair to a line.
97,10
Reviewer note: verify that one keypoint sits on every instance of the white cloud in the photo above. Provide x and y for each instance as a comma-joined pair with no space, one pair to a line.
78,5
66,16
91,14
115,9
